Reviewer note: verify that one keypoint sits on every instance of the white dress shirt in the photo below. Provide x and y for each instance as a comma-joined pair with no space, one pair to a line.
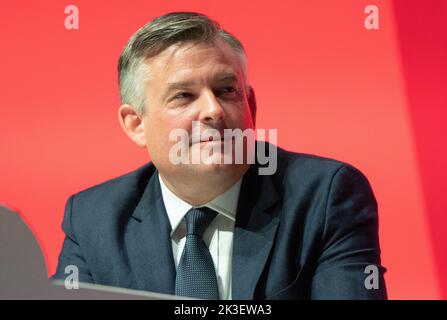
218,236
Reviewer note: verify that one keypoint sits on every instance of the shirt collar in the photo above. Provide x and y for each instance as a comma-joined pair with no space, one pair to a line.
176,208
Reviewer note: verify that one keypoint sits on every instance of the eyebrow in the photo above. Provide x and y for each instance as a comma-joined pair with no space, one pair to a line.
172,86
226,77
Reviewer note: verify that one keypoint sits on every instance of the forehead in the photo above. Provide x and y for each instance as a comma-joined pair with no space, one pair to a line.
181,61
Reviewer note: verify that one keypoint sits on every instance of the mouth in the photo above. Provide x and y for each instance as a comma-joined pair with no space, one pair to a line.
215,136
212,140
208,141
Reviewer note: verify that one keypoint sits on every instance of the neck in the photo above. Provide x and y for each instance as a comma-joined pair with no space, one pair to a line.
201,189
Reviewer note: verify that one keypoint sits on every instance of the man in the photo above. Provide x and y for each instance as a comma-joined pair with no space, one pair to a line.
217,230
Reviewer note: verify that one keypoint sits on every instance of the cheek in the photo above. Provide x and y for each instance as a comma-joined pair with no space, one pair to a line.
159,129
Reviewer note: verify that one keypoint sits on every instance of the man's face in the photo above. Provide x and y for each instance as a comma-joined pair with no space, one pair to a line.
194,82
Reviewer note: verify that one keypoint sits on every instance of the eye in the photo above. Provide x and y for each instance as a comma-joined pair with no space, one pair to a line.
227,92
182,95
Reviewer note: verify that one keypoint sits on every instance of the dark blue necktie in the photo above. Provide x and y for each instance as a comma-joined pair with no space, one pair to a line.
196,276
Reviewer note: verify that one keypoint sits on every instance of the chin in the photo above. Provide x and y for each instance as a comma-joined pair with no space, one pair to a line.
214,170
213,167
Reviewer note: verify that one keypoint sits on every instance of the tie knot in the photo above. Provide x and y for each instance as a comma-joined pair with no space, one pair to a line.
198,219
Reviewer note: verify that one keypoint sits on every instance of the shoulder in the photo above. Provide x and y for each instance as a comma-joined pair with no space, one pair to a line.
294,168
313,180
109,199
132,182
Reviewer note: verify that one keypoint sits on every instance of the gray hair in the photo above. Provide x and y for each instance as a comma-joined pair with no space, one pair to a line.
158,35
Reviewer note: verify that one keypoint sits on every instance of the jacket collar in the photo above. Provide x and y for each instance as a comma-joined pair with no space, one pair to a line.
148,239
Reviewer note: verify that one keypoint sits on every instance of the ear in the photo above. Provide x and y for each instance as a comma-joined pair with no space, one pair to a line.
132,124
252,103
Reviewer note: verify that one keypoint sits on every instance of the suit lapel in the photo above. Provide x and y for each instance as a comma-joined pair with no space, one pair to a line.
255,229
148,242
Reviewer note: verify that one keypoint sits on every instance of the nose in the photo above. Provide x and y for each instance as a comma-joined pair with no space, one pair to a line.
211,111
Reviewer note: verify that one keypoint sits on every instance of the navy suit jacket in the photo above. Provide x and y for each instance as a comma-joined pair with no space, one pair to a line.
309,231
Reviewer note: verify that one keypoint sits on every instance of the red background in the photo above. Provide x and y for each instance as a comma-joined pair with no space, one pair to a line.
373,98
